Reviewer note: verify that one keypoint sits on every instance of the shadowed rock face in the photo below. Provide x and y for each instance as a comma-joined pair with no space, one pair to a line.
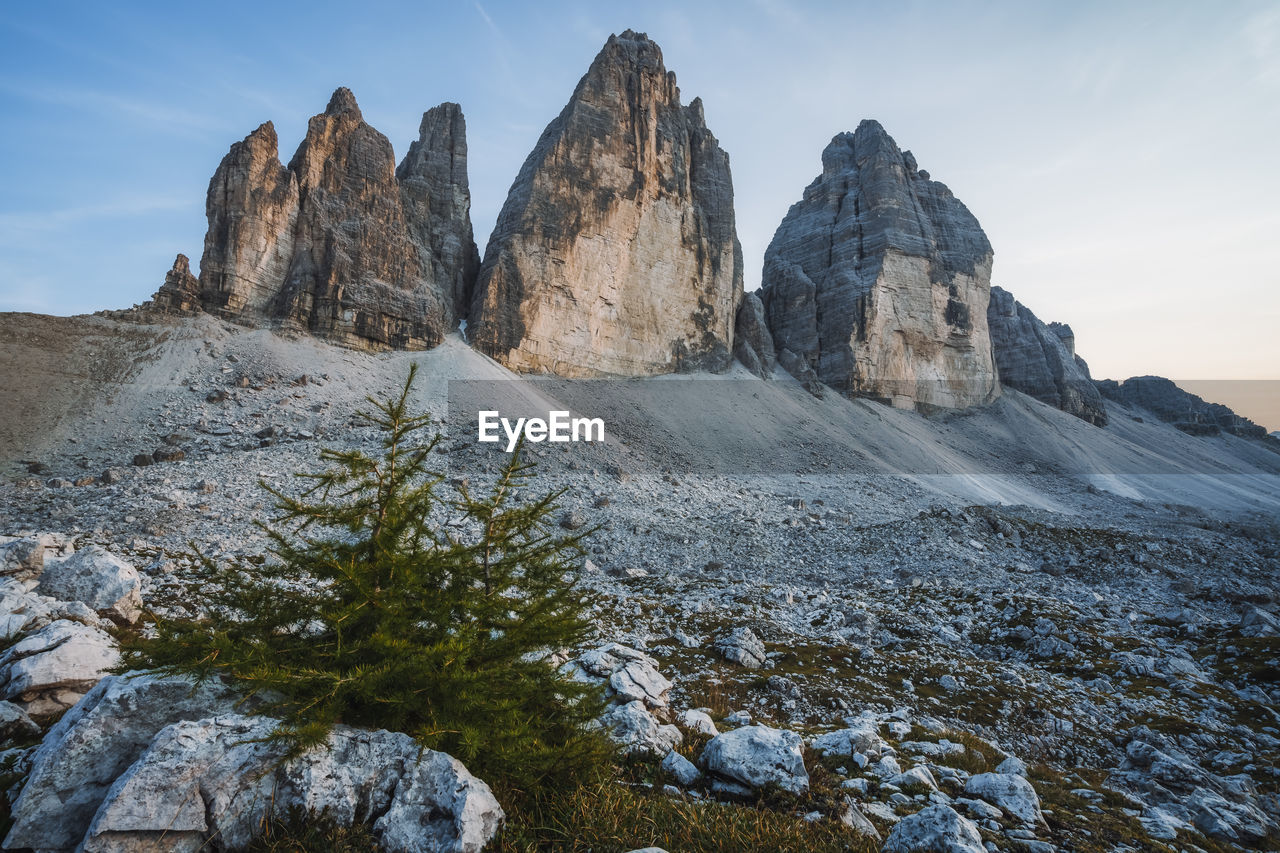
878,279
616,251
1184,410
753,345
1040,360
340,243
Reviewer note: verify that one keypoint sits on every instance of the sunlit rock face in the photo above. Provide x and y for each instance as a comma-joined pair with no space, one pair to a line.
340,243
616,252
878,279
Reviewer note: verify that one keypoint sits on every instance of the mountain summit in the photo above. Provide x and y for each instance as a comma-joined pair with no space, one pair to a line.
616,252
339,243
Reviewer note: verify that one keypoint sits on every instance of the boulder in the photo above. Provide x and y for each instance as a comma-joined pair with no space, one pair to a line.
1256,622
616,252
639,680
1040,360
15,724
100,579
681,769
877,281
1012,765
1012,793
638,732
699,721
48,671
852,817
22,559
626,674
1221,819
863,737
24,610
221,778
93,744
916,776
934,829
756,756
742,646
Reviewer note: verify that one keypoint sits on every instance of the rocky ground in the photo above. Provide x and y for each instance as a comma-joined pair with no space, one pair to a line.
1125,650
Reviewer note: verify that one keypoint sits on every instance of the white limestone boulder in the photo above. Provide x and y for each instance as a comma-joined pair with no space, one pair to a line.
48,671
222,778
757,756
93,744
934,829
100,579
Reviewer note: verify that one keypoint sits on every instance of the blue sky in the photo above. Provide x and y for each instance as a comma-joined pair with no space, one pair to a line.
1122,157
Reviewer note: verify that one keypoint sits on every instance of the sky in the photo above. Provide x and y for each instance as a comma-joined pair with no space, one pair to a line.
1123,157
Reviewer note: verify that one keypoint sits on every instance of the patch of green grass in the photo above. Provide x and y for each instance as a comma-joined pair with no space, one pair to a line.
610,817
1101,832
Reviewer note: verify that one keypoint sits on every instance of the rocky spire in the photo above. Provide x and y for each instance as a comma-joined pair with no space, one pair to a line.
335,243
877,281
180,292
1040,360
252,208
437,203
616,251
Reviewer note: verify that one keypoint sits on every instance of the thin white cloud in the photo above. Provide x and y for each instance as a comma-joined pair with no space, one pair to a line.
16,227
157,114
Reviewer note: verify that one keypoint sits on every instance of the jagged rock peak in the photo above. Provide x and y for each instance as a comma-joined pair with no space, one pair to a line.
180,292
343,101
877,281
1040,360
437,201
616,252
335,243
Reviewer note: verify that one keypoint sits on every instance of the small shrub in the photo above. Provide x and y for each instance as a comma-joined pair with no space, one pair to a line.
376,614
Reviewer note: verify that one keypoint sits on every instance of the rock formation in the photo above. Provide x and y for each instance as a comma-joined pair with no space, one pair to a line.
180,293
753,345
340,242
1186,411
616,251
437,203
1040,360
878,279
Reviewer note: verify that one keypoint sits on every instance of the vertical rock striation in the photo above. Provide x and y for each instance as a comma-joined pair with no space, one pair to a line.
1040,360
341,243
616,252
877,281
437,203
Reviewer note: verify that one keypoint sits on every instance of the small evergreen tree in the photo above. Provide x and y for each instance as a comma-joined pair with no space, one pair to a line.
375,613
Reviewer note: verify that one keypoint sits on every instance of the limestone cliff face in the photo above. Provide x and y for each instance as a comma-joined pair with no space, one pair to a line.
1040,360
252,208
616,251
878,279
340,243
437,203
